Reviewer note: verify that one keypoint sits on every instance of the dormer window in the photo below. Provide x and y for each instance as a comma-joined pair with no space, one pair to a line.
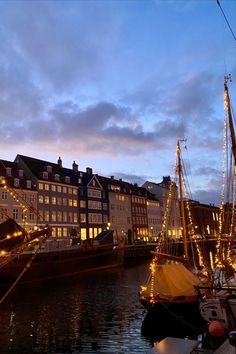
8,171
45,175
67,179
28,183
16,182
57,177
49,169
20,173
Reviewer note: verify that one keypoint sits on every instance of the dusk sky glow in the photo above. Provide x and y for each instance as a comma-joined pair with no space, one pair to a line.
112,84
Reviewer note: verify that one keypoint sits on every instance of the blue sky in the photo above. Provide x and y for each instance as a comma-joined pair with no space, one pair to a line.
112,84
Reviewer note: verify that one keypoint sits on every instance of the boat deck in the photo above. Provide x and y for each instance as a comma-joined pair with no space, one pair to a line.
171,345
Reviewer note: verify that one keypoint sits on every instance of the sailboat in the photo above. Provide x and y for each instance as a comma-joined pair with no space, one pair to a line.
219,302
169,294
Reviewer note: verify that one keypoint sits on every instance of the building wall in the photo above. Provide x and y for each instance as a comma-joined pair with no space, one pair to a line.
120,214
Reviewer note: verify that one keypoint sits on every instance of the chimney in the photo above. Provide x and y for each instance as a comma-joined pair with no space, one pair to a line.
75,167
89,170
112,177
59,161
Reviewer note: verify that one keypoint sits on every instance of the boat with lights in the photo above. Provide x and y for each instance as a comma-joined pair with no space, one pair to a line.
36,256
169,294
219,302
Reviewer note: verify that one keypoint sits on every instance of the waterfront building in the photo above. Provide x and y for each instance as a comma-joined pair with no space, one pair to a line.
18,195
139,212
93,205
162,192
120,214
205,218
57,194
154,218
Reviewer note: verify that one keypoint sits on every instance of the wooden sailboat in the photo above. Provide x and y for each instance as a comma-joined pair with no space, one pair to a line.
169,295
219,302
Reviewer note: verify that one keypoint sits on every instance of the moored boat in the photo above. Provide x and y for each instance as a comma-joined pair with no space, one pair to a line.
169,294
37,256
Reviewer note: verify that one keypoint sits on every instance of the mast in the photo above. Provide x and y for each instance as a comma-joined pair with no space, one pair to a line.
180,173
231,124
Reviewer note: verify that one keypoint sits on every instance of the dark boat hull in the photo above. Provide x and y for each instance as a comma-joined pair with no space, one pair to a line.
173,319
56,264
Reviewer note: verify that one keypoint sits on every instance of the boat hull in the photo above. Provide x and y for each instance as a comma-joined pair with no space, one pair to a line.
173,318
56,264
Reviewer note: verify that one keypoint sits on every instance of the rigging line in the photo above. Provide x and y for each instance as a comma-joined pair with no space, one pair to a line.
218,3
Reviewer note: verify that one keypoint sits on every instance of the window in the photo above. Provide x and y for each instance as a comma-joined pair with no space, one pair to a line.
31,197
59,216
8,171
28,183
41,199
79,180
64,201
92,204
54,216
3,213
57,177
4,195
45,175
105,219
82,217
20,173
64,231
59,189
15,213
94,193
46,187
70,202
16,182
70,190
31,215
83,233
46,215
64,216
59,232
64,189
54,188
82,204
59,201
74,202
40,185
54,200
75,218
74,191
46,199
104,206
95,218
67,179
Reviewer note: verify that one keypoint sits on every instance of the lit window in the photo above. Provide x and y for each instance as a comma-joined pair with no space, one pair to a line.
46,199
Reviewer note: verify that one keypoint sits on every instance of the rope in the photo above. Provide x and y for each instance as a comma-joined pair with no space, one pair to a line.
180,319
27,266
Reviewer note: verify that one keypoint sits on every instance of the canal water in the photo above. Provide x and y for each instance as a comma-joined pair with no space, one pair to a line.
94,313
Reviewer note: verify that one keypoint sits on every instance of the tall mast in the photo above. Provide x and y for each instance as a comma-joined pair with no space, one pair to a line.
231,124
183,219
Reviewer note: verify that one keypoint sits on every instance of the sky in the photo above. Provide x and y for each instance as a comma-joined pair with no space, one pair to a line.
112,85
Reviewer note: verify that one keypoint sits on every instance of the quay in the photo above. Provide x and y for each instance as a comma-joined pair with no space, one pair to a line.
144,250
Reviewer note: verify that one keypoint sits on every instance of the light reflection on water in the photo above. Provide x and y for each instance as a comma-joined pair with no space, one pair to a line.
96,313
